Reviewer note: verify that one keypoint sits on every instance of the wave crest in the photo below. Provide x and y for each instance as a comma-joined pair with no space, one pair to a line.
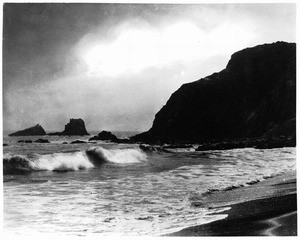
60,162
63,162
120,156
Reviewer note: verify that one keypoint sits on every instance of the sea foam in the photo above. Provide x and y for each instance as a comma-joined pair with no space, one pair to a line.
120,156
48,162
63,162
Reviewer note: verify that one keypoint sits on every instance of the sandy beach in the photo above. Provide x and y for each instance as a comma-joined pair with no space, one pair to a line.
269,208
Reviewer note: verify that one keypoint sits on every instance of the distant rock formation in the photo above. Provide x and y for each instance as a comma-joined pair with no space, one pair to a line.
32,131
254,97
75,127
105,136
108,136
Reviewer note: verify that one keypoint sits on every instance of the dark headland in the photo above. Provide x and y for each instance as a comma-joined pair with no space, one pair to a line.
251,103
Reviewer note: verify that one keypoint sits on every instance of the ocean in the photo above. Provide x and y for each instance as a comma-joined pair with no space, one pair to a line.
123,190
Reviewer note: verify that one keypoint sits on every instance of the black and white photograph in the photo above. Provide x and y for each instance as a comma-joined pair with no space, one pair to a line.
148,119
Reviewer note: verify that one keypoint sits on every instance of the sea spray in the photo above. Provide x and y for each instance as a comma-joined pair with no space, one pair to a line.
74,161
119,156
62,162
49,162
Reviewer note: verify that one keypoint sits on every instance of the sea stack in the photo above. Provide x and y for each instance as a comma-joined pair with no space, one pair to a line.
253,97
75,127
32,131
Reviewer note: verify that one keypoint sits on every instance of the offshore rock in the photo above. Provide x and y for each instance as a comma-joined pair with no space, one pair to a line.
75,127
105,136
32,131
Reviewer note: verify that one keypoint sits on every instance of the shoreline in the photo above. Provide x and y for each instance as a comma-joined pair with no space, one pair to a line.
268,213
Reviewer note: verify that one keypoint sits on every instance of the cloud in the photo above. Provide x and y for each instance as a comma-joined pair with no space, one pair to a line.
138,45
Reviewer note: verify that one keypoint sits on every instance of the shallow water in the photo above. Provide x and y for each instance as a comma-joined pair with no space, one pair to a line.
129,192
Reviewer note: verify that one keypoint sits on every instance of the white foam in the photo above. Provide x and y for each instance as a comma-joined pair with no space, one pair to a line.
120,156
61,162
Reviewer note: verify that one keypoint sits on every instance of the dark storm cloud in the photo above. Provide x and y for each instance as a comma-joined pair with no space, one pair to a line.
38,36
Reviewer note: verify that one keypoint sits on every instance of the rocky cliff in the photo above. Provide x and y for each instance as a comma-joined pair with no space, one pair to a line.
253,97
32,131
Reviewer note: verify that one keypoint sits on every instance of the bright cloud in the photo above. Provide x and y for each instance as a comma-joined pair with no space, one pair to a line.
136,47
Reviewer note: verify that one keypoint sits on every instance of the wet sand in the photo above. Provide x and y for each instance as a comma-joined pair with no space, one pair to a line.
271,212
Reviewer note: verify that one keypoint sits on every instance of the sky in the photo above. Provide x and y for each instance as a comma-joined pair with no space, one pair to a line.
116,65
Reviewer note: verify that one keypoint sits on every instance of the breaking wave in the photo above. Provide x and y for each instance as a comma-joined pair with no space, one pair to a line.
63,162
60,162
120,156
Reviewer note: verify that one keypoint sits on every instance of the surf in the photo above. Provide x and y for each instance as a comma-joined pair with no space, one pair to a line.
118,156
71,161
59,162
